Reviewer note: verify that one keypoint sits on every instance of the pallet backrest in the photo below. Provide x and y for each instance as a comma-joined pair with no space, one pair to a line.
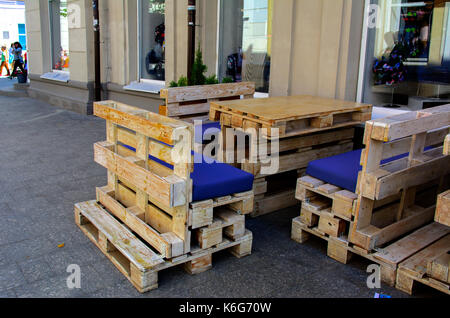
195,100
168,140
421,134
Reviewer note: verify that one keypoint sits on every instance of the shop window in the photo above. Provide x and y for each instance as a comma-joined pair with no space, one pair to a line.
245,41
59,33
152,39
407,53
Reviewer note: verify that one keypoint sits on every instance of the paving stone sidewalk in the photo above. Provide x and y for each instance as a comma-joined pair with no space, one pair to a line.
46,165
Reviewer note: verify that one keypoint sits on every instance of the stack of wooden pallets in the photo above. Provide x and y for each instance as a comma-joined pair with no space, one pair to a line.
389,218
308,128
144,220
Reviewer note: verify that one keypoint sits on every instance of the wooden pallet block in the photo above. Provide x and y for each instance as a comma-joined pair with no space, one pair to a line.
300,114
443,209
414,269
134,259
447,145
386,138
389,257
439,267
227,223
202,213
193,102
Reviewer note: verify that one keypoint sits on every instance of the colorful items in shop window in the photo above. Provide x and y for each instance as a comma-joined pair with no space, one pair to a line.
391,70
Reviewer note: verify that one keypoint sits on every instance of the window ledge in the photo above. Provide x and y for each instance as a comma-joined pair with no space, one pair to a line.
261,95
153,87
59,76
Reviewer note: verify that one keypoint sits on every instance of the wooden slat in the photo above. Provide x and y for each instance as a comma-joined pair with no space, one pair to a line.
174,110
130,218
402,146
416,265
404,125
380,187
156,149
190,93
169,190
420,217
122,239
155,126
404,248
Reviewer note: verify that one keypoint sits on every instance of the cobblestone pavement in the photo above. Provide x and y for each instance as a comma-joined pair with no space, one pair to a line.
46,165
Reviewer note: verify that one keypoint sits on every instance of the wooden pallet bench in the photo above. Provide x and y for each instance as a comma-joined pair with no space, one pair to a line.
388,257
193,102
138,261
386,138
430,267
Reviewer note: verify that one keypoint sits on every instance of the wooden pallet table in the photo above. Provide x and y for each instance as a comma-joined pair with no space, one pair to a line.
309,128
144,219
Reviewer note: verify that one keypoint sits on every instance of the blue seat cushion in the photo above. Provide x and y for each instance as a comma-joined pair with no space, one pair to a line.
217,179
213,179
342,170
202,132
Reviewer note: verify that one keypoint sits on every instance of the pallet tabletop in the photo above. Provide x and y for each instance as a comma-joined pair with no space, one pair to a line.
275,109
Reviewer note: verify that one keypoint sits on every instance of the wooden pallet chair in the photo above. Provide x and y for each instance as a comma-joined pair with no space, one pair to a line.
389,138
193,103
160,198
331,195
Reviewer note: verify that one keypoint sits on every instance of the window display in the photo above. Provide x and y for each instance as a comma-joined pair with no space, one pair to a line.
245,41
152,39
407,52
59,34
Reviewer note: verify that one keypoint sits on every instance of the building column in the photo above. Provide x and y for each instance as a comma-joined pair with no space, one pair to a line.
316,48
